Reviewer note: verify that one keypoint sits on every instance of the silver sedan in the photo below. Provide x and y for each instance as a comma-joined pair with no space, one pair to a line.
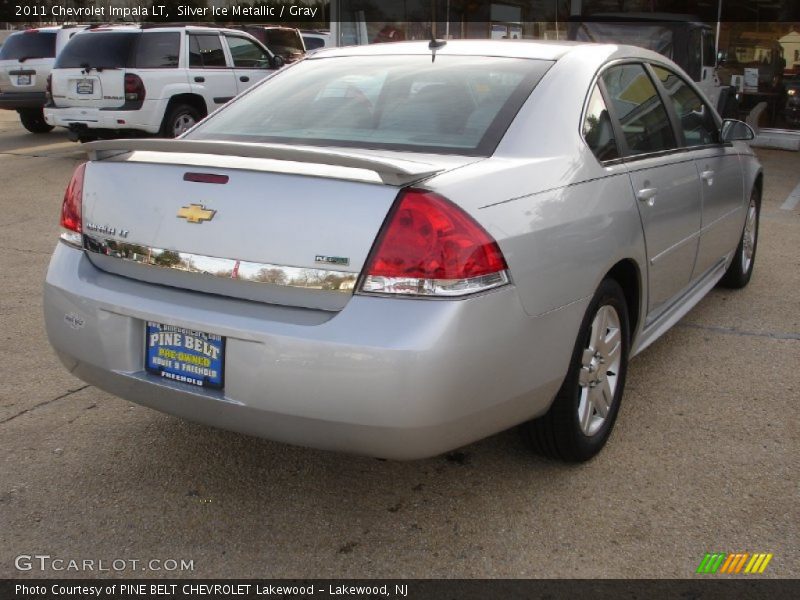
399,249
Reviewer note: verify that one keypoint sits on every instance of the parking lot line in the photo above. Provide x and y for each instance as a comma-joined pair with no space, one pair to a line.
791,202
36,150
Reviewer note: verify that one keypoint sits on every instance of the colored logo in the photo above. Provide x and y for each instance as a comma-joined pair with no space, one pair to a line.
735,562
195,213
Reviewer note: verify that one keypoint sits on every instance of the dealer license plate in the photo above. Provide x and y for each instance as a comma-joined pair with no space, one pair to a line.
85,86
184,355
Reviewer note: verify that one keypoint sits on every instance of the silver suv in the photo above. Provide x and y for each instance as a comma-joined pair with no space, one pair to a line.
26,59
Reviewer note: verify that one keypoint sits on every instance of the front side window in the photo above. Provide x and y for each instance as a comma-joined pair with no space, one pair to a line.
597,129
206,51
457,104
246,54
697,122
158,50
642,115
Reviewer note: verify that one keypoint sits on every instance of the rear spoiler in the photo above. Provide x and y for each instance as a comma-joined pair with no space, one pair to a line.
391,171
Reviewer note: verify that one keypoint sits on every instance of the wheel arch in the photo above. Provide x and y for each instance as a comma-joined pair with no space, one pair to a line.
627,274
758,183
194,100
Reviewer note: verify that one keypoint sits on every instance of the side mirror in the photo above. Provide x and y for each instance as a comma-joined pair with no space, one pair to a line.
735,131
277,62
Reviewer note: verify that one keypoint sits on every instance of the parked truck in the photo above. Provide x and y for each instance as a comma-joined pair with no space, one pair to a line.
681,38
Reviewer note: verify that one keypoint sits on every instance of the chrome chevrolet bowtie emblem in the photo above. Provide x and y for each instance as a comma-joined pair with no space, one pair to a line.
195,213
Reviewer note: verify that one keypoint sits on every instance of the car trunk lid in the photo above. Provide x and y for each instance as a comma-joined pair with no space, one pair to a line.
278,224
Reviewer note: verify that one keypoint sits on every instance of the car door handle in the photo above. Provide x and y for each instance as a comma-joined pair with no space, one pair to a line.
199,79
708,175
244,78
647,195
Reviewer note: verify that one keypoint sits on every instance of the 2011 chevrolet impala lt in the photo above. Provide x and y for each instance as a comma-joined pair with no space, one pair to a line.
399,249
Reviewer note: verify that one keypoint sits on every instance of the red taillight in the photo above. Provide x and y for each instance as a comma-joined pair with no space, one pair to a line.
71,208
430,247
134,88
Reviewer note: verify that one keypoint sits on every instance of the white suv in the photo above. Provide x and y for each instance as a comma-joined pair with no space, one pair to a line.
127,79
26,58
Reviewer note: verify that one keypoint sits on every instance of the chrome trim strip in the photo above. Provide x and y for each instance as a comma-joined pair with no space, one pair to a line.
241,270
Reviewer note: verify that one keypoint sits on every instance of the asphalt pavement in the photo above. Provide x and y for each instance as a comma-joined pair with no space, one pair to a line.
705,456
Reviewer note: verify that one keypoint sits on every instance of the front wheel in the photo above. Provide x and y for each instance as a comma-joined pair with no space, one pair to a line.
179,119
741,268
582,416
33,120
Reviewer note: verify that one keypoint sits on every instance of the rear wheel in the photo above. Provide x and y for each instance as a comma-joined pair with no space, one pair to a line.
582,416
33,120
179,119
741,268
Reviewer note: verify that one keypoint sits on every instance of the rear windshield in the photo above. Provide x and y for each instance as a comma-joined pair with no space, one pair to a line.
455,105
98,50
29,44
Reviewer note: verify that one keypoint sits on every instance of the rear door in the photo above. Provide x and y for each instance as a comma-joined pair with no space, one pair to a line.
717,165
210,74
251,62
664,179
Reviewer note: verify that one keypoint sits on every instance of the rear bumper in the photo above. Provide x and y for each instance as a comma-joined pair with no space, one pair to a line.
148,118
17,100
393,378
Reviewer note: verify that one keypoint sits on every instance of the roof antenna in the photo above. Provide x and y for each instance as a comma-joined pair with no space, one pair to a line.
435,44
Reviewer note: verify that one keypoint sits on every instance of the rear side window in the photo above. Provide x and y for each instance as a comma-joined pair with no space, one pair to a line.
158,50
457,104
206,51
29,44
98,50
637,105
597,129
697,122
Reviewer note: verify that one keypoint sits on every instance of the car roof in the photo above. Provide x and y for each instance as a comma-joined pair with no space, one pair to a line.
532,49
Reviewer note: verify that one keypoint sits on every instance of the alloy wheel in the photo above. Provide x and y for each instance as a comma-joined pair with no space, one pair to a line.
600,368
749,238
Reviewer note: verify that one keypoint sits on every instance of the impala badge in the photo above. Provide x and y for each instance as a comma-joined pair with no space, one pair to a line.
195,213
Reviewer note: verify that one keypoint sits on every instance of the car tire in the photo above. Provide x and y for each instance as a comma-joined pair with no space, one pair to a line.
741,268
574,429
178,119
33,120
